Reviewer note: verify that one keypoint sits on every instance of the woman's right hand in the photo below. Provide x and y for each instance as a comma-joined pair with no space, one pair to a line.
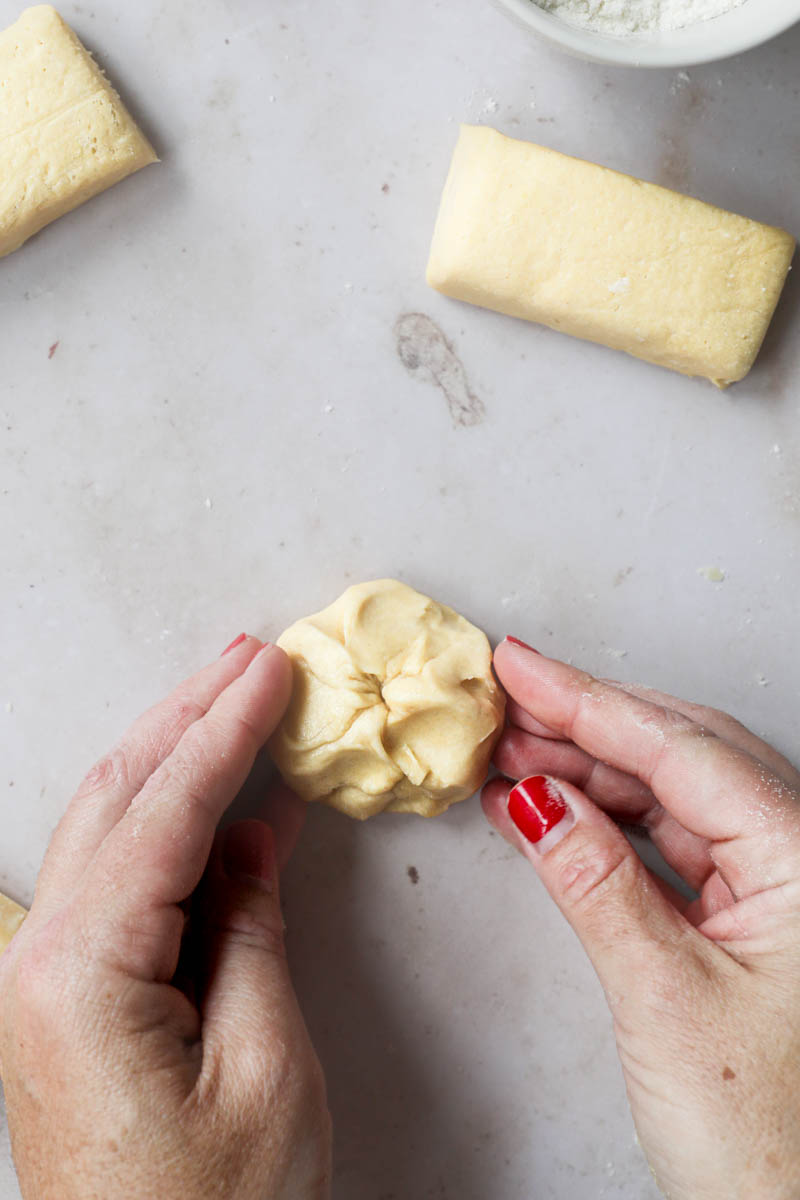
142,1056
705,994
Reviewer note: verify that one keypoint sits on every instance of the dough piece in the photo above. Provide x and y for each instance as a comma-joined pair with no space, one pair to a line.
64,133
585,250
11,917
394,704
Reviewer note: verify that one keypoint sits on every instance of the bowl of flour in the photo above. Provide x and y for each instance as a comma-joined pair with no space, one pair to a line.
655,33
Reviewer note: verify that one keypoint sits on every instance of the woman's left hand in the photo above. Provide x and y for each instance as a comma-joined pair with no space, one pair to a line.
140,1059
703,992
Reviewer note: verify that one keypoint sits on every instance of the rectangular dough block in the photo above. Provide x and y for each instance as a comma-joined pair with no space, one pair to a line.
64,133
583,249
11,917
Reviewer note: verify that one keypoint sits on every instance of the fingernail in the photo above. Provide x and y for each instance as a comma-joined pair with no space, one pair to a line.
538,809
236,642
249,855
515,641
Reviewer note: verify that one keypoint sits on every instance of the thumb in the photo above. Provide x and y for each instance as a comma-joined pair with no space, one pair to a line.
593,873
250,1013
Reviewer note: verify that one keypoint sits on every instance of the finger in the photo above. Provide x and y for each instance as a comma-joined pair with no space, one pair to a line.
519,716
698,909
156,855
250,1013
720,723
267,798
724,726
546,754
598,881
519,754
689,855
623,796
711,788
111,785
715,896
285,813
671,894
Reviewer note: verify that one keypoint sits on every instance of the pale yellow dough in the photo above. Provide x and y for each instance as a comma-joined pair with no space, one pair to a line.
603,256
11,917
64,133
394,704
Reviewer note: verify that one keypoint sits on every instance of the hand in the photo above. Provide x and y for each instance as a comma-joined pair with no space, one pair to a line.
705,993
138,1062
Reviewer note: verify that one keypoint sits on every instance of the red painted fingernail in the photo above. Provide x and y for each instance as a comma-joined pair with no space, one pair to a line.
518,642
249,854
536,807
236,642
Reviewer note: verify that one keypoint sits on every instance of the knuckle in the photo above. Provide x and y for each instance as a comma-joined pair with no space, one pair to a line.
238,735
687,728
667,992
241,926
188,772
693,738
185,710
729,727
591,692
717,720
265,1067
148,946
211,754
36,979
29,980
588,875
680,739
187,778
592,774
49,988
109,771
293,1071
178,715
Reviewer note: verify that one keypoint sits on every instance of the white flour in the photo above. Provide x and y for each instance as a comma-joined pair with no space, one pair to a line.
620,17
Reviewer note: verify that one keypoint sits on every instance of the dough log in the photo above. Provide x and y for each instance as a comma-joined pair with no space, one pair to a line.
11,917
603,256
65,135
394,704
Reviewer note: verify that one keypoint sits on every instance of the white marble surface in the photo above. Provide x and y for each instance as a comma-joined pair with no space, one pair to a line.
225,436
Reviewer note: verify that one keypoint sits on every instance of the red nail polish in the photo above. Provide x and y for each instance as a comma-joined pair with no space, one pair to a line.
236,642
536,806
518,642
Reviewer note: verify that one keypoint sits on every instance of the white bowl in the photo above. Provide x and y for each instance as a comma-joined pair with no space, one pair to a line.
754,22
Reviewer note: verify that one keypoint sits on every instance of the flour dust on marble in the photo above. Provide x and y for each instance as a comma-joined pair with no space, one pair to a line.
620,18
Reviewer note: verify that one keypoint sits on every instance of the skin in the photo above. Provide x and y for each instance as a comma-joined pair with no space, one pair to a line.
704,993
150,1040
144,1054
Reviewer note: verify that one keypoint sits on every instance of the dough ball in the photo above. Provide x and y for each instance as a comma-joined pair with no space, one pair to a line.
394,704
